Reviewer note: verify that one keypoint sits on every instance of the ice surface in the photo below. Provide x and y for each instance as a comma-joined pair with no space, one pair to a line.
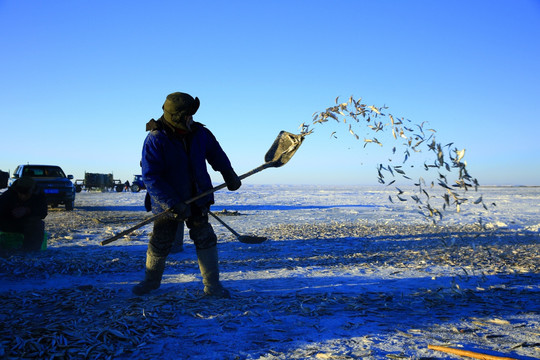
345,274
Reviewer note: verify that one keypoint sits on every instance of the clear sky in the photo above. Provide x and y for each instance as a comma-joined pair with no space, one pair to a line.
80,79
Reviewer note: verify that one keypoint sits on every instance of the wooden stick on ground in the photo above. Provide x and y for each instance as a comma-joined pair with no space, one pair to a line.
471,354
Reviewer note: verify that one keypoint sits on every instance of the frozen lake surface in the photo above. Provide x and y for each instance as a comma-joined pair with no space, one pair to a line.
344,274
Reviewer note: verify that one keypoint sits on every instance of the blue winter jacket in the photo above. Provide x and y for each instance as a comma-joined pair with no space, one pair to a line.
174,166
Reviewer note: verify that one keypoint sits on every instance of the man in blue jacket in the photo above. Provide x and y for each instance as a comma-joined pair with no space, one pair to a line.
174,170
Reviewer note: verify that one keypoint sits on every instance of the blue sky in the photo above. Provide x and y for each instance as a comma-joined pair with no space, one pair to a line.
81,78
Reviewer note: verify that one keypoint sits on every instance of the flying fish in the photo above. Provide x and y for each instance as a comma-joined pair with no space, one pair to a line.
374,109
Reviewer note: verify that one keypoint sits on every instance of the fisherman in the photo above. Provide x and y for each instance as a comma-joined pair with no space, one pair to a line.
174,159
4,178
22,209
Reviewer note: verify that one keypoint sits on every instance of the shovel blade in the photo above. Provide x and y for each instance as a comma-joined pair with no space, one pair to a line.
246,239
283,148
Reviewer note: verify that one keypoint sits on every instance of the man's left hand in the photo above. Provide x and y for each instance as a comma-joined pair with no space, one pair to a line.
231,179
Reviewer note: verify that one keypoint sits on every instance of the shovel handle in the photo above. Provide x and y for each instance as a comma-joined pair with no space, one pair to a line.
135,227
224,224
206,193
219,187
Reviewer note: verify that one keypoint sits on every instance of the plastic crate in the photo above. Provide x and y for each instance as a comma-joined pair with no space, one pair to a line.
14,241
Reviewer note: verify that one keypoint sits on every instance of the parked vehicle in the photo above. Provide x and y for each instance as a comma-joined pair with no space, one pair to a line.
137,184
103,182
57,187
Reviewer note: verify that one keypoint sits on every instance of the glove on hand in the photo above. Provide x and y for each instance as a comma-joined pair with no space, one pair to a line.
182,210
231,179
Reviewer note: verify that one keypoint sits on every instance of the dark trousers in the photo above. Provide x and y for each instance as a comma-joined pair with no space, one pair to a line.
32,228
200,231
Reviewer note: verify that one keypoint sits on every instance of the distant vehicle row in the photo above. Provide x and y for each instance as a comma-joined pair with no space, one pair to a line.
106,182
103,182
59,188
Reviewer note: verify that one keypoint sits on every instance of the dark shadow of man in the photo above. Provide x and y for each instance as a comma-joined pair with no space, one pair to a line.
22,209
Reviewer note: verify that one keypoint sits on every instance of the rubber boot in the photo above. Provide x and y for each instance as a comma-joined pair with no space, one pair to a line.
155,265
208,264
178,243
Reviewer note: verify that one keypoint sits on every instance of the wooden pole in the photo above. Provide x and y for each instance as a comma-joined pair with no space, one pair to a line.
467,353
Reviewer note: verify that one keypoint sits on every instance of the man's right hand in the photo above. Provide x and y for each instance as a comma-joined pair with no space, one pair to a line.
182,210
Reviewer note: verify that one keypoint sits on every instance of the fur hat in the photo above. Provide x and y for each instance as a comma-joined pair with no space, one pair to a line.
177,107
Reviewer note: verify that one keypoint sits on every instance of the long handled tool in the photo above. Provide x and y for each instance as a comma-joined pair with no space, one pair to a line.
467,353
278,155
246,239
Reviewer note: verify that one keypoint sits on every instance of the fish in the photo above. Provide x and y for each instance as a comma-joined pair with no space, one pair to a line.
374,109
374,140
352,132
444,185
443,177
407,154
331,115
440,154
402,134
460,155
416,137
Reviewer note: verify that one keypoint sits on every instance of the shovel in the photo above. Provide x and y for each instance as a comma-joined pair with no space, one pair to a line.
278,155
246,239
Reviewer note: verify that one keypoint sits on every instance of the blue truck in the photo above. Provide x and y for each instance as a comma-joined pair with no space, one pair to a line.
58,188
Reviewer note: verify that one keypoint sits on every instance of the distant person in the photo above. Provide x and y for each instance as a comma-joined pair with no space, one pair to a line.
126,185
174,170
22,209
